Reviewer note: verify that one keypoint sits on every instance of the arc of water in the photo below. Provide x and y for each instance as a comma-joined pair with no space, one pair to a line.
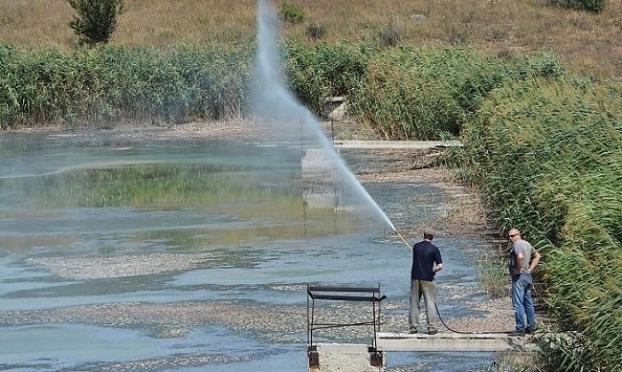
274,99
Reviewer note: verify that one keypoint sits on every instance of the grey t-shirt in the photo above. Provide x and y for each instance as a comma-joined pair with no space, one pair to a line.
524,247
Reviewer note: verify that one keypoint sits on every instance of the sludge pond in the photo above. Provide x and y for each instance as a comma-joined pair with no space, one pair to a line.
127,252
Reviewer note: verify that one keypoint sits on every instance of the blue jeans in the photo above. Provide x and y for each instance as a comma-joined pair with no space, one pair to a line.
522,302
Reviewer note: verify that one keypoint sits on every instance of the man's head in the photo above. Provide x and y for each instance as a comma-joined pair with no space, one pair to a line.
514,234
428,235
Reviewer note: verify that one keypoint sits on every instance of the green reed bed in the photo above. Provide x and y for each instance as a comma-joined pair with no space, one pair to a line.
106,84
318,71
406,92
429,93
547,155
103,85
401,92
146,185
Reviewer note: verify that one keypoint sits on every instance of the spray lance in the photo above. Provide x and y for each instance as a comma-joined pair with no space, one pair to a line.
402,238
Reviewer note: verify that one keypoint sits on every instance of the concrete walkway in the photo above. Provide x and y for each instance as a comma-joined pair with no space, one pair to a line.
454,342
356,358
397,145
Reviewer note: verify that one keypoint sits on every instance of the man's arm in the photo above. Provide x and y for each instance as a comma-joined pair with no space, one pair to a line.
438,261
535,261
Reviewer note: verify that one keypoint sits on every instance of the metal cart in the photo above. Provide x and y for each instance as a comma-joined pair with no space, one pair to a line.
343,293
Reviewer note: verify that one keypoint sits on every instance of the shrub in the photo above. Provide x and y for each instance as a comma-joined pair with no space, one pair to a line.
292,13
96,19
315,31
389,36
590,5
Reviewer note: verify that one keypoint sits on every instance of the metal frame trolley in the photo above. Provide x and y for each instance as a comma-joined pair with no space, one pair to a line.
343,293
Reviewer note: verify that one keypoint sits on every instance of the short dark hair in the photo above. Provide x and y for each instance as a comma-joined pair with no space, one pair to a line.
428,235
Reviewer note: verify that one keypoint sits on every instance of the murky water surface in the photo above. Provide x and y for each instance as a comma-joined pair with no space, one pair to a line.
120,253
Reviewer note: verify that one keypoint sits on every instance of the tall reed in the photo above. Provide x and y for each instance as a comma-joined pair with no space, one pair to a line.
103,85
548,156
429,93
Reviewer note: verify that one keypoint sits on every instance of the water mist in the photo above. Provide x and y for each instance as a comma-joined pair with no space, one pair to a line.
275,104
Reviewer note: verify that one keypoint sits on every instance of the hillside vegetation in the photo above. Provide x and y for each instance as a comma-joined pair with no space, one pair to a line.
586,42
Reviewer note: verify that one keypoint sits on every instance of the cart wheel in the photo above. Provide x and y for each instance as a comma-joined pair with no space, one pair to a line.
314,359
375,359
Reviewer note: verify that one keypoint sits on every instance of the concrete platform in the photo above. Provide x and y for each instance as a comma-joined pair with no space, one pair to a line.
451,342
345,358
413,145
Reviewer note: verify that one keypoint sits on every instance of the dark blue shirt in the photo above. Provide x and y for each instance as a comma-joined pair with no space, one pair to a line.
425,255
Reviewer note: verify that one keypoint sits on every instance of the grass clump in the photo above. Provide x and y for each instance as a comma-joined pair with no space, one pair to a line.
493,273
291,13
389,36
548,156
315,31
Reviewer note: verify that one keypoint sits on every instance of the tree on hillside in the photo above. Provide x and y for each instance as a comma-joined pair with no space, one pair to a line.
96,19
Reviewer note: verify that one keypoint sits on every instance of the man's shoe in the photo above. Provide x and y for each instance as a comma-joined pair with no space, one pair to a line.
531,331
432,331
412,331
517,333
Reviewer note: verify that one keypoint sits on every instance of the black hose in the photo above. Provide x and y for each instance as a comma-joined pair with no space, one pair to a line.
463,332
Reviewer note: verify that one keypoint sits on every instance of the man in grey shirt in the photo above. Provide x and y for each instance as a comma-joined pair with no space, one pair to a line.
522,282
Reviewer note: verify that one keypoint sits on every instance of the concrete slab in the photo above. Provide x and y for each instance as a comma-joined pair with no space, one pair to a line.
413,145
452,342
345,358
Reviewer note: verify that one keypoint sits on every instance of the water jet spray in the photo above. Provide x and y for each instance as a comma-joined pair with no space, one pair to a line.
274,101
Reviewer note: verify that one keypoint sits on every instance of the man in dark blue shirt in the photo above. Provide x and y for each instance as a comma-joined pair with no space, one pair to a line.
427,262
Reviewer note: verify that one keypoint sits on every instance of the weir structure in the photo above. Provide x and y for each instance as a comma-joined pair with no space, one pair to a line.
454,342
324,357
358,357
